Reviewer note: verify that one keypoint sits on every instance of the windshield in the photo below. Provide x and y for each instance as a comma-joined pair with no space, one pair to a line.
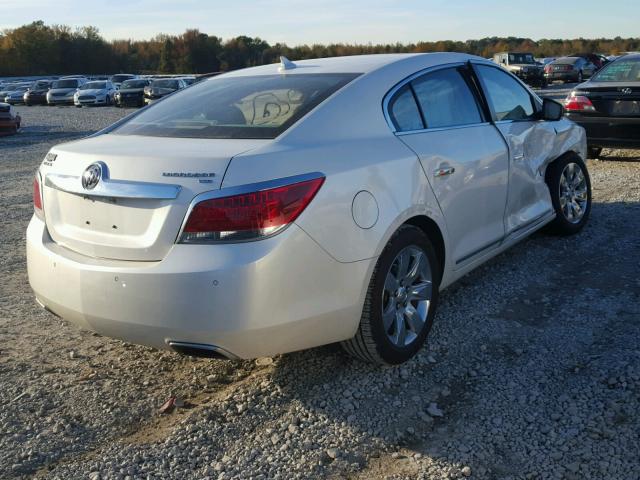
620,71
120,78
41,85
236,107
134,84
521,58
65,84
165,84
94,86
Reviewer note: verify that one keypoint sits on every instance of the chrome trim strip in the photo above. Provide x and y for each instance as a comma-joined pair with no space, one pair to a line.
480,250
204,346
113,188
531,223
242,189
440,129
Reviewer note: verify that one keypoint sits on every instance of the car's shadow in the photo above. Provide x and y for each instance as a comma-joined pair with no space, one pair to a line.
503,320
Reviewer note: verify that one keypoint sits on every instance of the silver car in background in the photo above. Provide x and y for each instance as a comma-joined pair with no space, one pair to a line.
62,91
288,206
99,92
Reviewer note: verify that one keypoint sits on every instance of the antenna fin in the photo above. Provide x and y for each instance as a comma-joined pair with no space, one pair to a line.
286,64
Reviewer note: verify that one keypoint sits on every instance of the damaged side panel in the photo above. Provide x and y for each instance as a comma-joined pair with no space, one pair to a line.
533,145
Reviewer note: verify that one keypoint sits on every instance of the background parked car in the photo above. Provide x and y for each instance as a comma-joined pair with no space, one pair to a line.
63,90
16,96
9,120
161,88
37,94
608,106
121,77
523,65
94,93
569,69
6,89
598,60
131,93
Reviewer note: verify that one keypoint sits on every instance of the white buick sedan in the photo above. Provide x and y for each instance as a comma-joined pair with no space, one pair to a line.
288,206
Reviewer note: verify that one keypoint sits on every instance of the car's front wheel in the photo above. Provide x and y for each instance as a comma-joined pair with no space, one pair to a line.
570,187
401,300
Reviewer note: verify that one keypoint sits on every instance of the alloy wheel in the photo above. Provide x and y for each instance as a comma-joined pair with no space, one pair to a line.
406,296
573,192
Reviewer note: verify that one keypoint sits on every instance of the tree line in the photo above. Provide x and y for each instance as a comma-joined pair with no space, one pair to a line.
40,49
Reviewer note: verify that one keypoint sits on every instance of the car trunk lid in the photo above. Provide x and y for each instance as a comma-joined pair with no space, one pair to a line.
614,99
137,208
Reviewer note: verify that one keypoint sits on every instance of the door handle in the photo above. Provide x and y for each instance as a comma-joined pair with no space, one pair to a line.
518,157
443,171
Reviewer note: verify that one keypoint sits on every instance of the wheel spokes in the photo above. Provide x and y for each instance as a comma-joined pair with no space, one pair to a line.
420,291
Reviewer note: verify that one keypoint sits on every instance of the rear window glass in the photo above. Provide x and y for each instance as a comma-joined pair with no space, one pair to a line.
404,112
65,84
236,107
620,71
134,84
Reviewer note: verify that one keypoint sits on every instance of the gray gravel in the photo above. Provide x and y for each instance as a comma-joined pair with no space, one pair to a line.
532,370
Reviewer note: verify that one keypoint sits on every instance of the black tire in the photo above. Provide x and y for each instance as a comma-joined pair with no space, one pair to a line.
594,152
371,342
562,225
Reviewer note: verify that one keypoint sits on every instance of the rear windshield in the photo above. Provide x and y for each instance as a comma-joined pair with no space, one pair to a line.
620,71
121,78
65,84
521,58
236,107
134,84
165,83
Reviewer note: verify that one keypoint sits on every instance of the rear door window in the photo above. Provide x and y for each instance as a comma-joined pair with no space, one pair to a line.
508,99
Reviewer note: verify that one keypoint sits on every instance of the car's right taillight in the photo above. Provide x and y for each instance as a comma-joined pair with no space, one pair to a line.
578,103
248,216
38,207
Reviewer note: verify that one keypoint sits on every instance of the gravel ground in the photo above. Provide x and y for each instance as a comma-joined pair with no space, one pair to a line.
532,370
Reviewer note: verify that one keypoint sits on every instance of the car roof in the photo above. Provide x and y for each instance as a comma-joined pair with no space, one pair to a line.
354,64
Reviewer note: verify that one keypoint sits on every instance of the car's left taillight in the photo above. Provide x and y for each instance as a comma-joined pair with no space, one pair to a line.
38,206
248,215
578,103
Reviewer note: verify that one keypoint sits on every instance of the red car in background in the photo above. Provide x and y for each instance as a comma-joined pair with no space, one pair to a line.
9,120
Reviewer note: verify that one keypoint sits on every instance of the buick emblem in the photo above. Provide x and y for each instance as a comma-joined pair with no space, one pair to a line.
626,91
91,176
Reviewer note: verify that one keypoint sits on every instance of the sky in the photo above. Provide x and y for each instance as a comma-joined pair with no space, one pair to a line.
332,21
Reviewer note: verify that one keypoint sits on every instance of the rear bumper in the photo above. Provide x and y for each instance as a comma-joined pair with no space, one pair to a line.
249,299
567,77
609,132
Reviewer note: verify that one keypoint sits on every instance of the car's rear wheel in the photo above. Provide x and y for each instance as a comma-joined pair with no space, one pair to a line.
570,187
401,300
594,152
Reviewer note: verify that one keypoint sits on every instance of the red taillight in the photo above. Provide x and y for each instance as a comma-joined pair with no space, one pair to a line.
249,215
37,196
548,69
578,103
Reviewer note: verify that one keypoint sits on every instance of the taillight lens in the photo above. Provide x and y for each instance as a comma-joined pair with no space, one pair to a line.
578,103
248,216
37,197
548,69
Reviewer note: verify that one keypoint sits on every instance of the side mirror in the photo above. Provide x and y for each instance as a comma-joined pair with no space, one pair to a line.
552,110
